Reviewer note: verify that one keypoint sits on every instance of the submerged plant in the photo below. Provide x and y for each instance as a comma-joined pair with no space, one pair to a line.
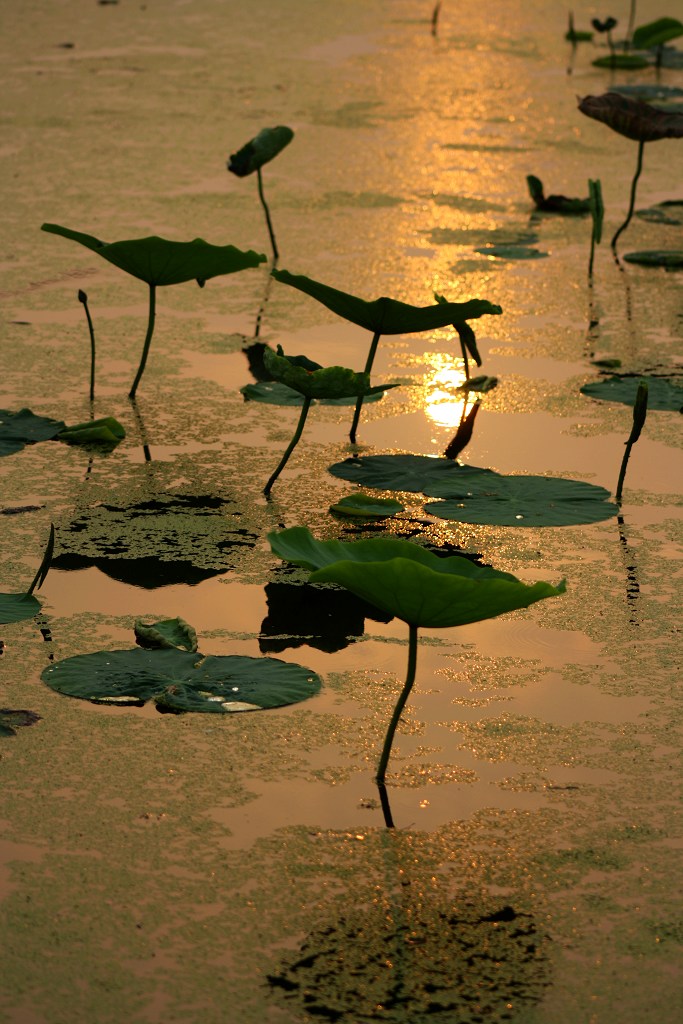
634,120
259,151
418,587
639,415
160,262
388,316
312,381
17,607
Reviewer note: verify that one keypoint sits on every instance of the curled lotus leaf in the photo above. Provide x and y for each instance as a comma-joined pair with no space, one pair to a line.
260,150
159,261
384,315
273,392
633,118
107,431
656,33
182,681
165,634
314,381
410,582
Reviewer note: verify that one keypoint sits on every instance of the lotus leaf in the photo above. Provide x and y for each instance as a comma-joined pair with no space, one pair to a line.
260,150
656,33
167,633
160,262
367,507
17,429
107,431
465,333
182,681
17,607
632,118
314,381
413,473
621,60
511,252
671,259
480,385
662,393
273,392
388,316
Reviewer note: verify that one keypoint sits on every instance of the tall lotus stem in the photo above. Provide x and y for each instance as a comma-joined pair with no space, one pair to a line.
290,448
83,298
264,204
634,184
148,340
435,17
389,738
359,401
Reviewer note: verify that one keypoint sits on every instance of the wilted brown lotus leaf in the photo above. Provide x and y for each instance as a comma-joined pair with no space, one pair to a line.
633,118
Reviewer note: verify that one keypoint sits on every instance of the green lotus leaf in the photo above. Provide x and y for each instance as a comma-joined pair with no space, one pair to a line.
522,501
662,393
413,473
17,607
621,60
165,634
160,262
18,429
511,252
656,33
366,507
298,545
421,596
632,118
11,720
106,431
273,392
314,381
182,681
260,150
388,316
669,258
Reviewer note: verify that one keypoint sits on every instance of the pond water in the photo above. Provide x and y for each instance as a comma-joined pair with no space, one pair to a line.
204,868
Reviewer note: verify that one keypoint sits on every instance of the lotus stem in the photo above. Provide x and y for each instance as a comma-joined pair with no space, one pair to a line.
634,184
639,415
264,204
400,704
435,17
44,566
359,401
631,18
82,297
290,448
148,340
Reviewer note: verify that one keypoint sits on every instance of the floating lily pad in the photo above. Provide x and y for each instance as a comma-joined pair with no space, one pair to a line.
367,507
11,720
181,681
17,429
662,393
106,431
656,33
273,392
413,473
522,501
17,607
166,634
511,252
658,215
621,60
669,258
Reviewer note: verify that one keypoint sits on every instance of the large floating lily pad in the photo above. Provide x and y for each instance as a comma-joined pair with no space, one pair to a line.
522,501
413,473
168,539
662,393
669,258
182,681
17,607
274,392
17,429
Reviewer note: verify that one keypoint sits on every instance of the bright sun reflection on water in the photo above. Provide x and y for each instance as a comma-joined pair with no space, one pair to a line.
444,404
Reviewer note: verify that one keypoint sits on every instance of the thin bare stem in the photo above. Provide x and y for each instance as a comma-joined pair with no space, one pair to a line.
634,184
44,567
148,340
359,401
264,204
400,704
290,448
435,17
82,297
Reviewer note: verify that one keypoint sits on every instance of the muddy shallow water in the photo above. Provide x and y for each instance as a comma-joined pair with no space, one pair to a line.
158,868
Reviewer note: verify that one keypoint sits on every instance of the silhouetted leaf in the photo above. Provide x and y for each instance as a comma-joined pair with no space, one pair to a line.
662,393
17,607
621,60
670,258
314,381
554,203
273,392
632,118
656,33
182,681
511,252
263,148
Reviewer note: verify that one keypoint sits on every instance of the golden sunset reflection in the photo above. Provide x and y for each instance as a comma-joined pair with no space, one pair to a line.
443,403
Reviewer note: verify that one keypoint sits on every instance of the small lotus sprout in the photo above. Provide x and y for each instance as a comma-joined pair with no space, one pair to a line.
312,381
606,27
635,120
83,298
416,586
639,415
388,316
259,151
158,261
